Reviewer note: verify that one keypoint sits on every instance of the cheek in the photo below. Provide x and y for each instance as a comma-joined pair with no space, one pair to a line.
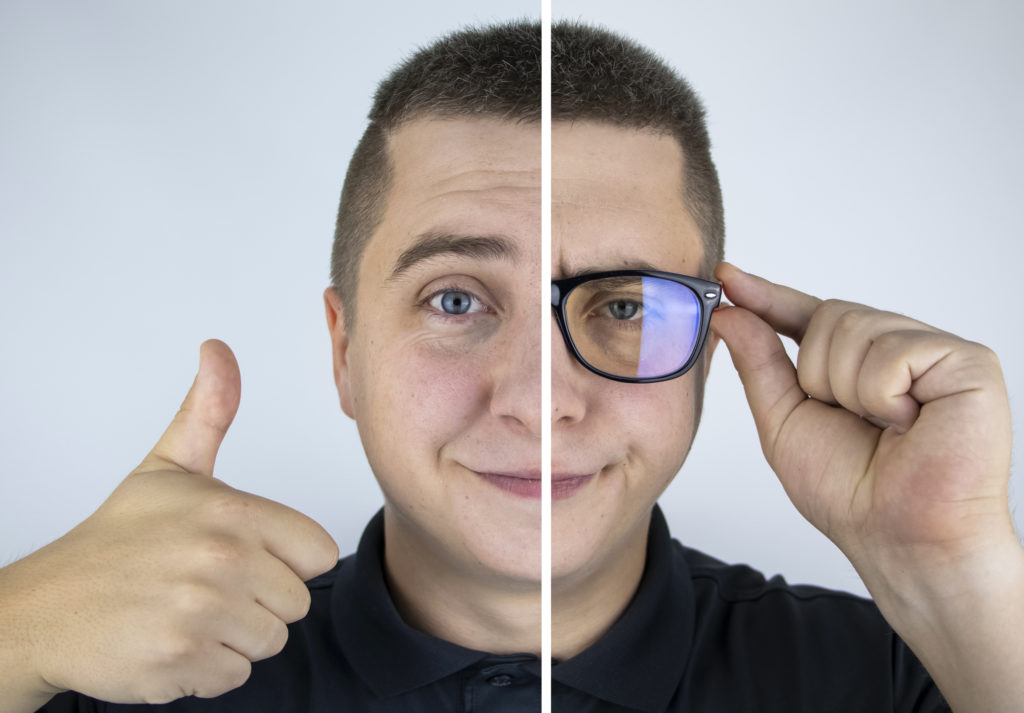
416,397
658,421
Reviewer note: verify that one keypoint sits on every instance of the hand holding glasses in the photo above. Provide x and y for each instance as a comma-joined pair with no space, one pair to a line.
637,326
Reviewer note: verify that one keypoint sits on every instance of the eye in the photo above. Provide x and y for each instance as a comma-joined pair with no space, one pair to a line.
455,302
623,309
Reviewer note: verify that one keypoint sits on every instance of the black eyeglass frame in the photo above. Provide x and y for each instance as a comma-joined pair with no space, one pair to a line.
708,293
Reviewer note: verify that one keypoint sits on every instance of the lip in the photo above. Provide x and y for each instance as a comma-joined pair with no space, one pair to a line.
565,485
523,484
528,484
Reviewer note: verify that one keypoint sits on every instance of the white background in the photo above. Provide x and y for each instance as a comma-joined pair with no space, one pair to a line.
170,174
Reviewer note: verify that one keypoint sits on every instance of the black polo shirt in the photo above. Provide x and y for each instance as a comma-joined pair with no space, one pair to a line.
699,636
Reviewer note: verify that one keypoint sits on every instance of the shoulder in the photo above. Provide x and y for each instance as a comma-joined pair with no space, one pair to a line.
738,584
773,613
796,643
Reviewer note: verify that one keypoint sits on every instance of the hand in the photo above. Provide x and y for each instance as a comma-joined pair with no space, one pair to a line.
892,437
177,582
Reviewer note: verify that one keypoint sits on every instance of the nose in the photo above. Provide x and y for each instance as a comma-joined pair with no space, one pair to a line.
568,405
515,395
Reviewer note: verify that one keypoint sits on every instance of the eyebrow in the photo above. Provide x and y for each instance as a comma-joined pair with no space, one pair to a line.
590,269
431,245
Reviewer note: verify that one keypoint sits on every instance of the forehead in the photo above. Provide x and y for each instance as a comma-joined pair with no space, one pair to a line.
617,201
463,176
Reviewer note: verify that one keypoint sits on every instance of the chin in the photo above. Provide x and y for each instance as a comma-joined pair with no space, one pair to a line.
591,541
509,551
572,560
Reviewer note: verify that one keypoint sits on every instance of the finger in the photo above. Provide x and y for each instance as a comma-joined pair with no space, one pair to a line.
251,630
768,376
835,345
788,311
191,442
218,670
819,356
886,378
279,589
298,541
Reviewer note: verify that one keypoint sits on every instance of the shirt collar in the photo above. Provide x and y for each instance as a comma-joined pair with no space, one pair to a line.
640,660
390,656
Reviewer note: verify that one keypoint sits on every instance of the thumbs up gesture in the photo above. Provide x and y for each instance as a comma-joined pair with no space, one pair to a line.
177,582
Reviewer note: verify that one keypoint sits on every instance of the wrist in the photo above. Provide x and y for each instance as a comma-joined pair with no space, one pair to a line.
22,603
964,623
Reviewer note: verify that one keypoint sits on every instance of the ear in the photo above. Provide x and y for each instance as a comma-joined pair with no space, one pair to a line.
339,349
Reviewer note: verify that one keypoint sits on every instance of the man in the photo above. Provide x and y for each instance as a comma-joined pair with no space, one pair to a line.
438,321
891,437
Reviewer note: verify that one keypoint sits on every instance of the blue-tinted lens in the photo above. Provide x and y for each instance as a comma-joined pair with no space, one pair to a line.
636,327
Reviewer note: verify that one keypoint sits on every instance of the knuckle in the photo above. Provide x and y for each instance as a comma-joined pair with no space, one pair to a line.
852,318
176,651
986,356
276,638
303,600
231,506
239,674
296,602
228,676
813,381
319,556
329,553
196,600
833,308
889,342
218,553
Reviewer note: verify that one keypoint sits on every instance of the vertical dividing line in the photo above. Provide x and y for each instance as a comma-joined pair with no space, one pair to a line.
545,355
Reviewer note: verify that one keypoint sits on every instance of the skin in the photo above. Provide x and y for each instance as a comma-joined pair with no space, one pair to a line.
462,554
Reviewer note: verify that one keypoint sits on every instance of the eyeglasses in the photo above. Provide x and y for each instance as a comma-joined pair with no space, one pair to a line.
638,326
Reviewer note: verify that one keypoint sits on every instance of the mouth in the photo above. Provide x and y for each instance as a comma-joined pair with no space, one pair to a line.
528,484
565,485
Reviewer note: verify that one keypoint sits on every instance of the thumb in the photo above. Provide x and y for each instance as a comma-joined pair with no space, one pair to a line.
769,377
190,443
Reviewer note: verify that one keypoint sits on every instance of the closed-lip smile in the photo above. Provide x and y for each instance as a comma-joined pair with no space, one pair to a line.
527,484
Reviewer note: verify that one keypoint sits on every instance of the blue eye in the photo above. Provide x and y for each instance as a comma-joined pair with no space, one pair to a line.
455,302
623,309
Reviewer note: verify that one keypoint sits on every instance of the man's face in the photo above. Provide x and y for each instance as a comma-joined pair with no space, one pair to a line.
616,203
442,370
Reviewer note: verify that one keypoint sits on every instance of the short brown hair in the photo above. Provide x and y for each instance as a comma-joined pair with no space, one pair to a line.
598,75
492,72
495,72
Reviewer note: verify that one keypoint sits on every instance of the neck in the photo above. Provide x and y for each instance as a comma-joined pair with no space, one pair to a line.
586,603
496,614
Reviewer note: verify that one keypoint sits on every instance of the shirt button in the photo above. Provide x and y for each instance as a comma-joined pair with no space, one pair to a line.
500,681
